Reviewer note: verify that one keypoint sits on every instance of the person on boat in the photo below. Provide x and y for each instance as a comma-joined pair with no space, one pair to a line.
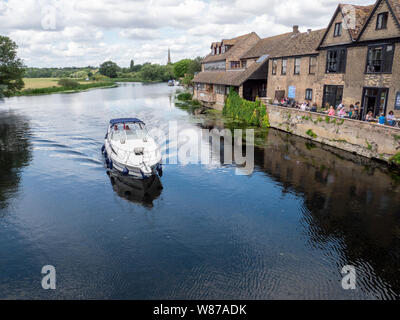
116,127
127,127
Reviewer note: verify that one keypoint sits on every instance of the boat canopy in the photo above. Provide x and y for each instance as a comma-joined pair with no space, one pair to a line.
125,120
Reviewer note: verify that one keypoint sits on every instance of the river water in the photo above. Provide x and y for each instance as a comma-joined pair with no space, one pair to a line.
202,231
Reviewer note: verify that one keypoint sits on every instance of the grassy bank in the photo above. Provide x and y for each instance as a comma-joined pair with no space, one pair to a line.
40,86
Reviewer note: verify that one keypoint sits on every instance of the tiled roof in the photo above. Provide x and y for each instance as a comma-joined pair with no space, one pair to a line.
362,14
287,44
395,5
231,77
238,44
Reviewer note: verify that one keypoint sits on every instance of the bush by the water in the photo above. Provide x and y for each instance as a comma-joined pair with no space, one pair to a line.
68,83
247,112
185,96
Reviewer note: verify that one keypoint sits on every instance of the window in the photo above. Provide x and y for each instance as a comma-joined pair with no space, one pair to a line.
244,64
380,59
220,89
338,30
235,64
308,94
284,67
336,61
313,65
297,65
200,86
381,21
274,66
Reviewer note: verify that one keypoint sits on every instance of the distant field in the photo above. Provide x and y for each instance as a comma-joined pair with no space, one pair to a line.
38,83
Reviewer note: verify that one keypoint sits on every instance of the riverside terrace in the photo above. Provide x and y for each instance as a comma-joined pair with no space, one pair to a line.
356,58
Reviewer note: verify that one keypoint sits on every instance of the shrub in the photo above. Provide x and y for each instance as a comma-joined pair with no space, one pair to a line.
68,83
396,159
247,112
185,96
311,133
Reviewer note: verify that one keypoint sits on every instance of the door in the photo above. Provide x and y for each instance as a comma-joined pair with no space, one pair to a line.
279,95
333,96
374,100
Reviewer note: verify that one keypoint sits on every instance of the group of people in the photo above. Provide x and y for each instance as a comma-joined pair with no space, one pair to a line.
354,112
342,112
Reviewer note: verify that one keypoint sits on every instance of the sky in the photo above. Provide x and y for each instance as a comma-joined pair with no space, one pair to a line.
61,33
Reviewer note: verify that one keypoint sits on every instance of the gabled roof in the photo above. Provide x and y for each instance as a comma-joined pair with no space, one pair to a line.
362,14
286,45
231,77
394,7
353,27
237,45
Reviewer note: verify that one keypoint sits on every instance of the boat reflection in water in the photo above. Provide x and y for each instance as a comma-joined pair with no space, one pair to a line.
140,191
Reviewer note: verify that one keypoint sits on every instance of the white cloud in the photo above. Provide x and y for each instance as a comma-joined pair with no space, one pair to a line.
92,31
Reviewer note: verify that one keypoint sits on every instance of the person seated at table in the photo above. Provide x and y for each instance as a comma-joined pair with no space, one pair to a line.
303,106
332,111
351,111
314,108
390,119
382,119
369,116
342,112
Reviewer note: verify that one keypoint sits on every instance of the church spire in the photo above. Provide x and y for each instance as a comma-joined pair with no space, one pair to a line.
169,57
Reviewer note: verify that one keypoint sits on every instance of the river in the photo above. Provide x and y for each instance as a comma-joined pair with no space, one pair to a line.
202,231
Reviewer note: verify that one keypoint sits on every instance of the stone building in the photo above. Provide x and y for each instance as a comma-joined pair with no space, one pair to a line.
223,69
360,58
293,64
355,59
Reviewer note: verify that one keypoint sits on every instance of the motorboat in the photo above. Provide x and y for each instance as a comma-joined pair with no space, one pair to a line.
171,83
129,149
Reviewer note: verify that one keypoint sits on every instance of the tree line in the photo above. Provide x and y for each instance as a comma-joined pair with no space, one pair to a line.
12,70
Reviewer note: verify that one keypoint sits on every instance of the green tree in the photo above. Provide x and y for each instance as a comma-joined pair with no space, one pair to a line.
11,68
109,69
181,68
194,66
132,66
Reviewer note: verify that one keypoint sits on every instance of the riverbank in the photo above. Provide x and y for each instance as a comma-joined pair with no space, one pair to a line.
60,89
370,140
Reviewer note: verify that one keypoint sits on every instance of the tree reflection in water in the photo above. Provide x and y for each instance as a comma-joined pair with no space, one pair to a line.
350,200
15,153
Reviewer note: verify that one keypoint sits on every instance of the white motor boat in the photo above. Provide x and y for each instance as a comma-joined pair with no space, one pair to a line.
129,149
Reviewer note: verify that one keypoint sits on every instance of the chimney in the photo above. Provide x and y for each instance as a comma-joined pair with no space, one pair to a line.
309,31
295,29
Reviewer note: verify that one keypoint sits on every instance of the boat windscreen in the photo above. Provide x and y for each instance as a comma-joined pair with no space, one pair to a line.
130,131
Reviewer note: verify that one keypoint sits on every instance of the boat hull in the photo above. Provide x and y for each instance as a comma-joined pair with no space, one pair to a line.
143,171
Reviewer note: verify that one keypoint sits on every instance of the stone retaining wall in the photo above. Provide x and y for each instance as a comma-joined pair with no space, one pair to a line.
367,139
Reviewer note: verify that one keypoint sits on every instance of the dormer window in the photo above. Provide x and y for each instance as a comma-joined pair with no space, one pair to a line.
338,30
219,50
381,21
